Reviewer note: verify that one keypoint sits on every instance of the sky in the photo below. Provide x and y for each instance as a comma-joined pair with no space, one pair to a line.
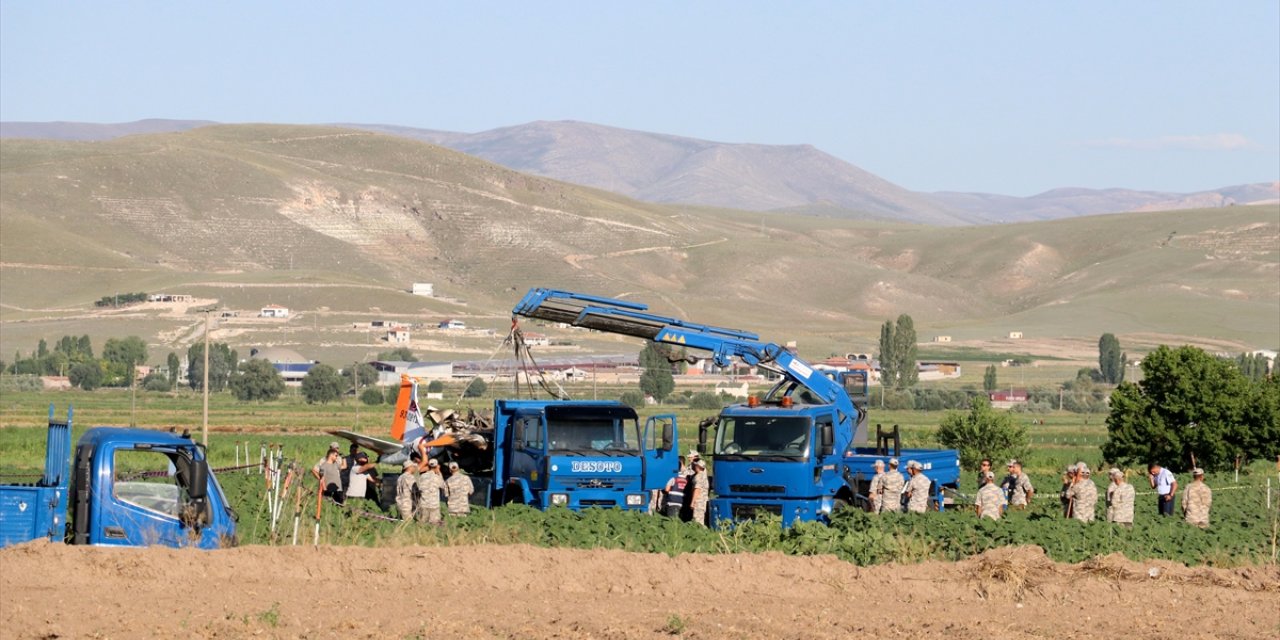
1000,97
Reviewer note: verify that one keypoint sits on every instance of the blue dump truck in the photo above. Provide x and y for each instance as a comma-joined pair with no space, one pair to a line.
119,487
799,452
579,454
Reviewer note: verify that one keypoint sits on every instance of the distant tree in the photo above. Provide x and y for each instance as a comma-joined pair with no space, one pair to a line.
366,375
904,336
898,354
121,357
322,384
435,386
371,396
476,388
86,375
399,353
84,347
393,393
888,356
222,363
174,369
1191,403
43,349
156,381
1110,359
706,400
655,372
632,398
984,432
256,381
1254,366
989,378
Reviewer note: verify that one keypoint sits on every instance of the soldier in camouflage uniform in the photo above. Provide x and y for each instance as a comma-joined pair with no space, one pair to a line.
1197,499
429,485
990,501
1120,498
458,488
893,484
875,493
1083,495
700,492
404,490
917,489
1068,479
1020,488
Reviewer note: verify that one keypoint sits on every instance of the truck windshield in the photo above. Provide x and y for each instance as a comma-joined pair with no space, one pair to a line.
755,437
593,436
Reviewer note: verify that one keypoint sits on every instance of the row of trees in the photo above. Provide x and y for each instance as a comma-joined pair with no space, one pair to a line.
74,357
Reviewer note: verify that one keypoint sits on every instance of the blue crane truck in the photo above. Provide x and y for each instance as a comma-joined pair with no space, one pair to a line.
800,452
579,454
119,487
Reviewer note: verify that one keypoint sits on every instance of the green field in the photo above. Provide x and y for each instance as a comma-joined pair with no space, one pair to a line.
1244,532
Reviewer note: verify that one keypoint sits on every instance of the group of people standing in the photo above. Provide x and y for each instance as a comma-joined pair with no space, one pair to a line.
1080,495
890,491
422,486
419,489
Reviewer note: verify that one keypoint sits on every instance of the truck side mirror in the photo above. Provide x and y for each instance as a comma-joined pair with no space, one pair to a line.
668,436
198,488
826,439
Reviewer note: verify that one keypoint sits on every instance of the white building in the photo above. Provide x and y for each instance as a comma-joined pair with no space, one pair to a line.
425,289
274,311
1015,335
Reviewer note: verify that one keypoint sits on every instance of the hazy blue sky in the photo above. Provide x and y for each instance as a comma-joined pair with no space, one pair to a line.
1008,97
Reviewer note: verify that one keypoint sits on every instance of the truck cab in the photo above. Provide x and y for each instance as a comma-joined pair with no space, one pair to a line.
580,454
135,487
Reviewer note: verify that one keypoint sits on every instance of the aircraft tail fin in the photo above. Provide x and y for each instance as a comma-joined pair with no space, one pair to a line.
407,424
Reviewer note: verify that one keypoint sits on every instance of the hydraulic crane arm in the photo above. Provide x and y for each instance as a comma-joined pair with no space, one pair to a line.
631,318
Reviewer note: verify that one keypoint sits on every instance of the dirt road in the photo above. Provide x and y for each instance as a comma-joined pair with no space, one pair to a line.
56,591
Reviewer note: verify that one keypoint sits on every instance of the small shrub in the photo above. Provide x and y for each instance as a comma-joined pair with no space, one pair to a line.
371,396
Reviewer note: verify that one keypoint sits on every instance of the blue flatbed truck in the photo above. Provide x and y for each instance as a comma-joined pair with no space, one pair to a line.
119,487
579,454
799,452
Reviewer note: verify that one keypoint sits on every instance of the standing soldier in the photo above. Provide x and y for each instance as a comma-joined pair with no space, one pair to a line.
917,490
404,490
1020,489
991,500
429,485
875,493
1120,496
1068,479
700,488
1197,499
459,489
893,486
1083,495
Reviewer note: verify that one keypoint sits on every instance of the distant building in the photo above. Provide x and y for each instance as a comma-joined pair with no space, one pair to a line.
423,289
1015,335
389,371
453,324
397,335
537,340
170,297
938,370
291,365
942,338
274,311
1007,399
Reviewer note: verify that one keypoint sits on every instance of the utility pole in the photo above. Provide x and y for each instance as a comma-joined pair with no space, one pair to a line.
355,380
204,428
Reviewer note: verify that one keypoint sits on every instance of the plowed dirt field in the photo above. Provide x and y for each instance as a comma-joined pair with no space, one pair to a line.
58,591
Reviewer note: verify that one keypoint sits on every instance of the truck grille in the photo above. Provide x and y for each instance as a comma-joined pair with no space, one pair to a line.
757,488
599,503
595,483
749,511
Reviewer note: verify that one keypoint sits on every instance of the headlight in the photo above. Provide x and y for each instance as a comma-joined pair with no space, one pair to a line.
635,500
559,499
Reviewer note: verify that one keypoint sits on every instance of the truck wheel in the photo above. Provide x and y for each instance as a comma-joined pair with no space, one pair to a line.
838,505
